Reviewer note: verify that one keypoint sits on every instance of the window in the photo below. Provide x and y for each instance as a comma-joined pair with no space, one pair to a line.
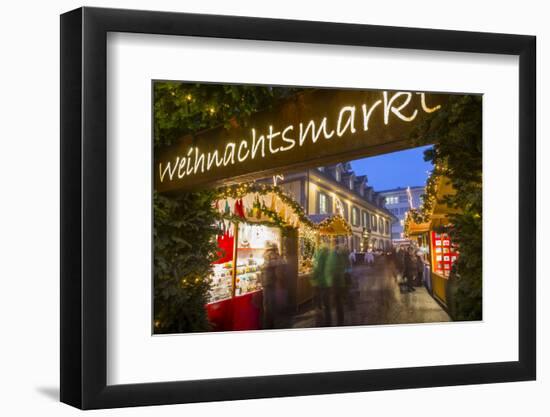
381,225
403,199
344,210
365,219
337,174
373,222
323,203
355,216
357,243
392,199
387,227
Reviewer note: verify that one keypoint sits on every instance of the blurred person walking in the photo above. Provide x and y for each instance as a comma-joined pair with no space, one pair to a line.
271,269
410,267
369,257
337,263
419,268
321,282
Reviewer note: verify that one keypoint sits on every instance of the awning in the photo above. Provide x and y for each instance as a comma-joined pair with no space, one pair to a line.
418,228
331,224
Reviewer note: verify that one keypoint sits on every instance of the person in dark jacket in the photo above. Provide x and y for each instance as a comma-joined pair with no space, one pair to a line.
410,268
419,268
337,263
270,270
400,262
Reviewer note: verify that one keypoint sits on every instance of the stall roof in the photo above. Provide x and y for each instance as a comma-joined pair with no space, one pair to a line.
418,228
331,224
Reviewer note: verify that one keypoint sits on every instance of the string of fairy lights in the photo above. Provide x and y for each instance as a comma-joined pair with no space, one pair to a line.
308,227
423,214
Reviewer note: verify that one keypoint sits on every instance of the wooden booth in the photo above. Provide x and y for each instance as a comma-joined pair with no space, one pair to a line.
442,251
253,217
329,229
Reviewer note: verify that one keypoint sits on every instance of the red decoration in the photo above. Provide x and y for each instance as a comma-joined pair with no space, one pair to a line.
444,253
239,208
242,312
225,243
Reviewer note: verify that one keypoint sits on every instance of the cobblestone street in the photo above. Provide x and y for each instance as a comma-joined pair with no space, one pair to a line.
379,299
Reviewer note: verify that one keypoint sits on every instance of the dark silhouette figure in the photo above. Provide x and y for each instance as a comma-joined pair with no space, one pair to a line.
270,271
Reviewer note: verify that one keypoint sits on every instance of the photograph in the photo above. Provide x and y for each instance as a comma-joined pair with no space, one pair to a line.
268,206
289,207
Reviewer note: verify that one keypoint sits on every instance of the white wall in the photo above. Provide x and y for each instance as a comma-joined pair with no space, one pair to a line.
29,224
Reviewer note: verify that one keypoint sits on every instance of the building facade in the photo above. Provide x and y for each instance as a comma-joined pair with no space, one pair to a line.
335,189
399,201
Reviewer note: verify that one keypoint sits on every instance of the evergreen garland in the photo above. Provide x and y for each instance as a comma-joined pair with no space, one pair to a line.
184,235
241,190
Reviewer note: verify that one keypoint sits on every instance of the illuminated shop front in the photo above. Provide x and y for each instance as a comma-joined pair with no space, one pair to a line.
255,217
432,234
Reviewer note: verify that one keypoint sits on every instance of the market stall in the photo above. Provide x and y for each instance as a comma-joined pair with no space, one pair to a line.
419,236
332,227
253,217
429,228
328,229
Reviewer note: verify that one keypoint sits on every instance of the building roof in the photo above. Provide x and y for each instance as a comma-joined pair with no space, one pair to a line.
354,191
393,190
331,224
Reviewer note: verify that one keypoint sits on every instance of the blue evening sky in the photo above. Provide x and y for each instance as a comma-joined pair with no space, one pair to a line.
396,169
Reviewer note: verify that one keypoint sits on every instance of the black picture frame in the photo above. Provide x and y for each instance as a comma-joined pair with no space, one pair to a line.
84,207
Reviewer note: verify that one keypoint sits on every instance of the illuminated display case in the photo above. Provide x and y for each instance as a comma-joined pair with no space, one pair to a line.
252,241
444,253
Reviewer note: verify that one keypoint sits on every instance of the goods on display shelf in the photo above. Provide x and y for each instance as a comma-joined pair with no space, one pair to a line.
252,240
221,279
307,242
444,253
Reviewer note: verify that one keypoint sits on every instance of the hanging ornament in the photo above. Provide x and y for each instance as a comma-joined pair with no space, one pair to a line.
257,209
239,210
227,209
282,213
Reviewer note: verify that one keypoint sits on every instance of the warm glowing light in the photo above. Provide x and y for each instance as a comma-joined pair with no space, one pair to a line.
393,105
277,177
423,104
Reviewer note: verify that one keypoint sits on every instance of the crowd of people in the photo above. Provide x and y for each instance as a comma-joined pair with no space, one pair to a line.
410,266
334,285
332,282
